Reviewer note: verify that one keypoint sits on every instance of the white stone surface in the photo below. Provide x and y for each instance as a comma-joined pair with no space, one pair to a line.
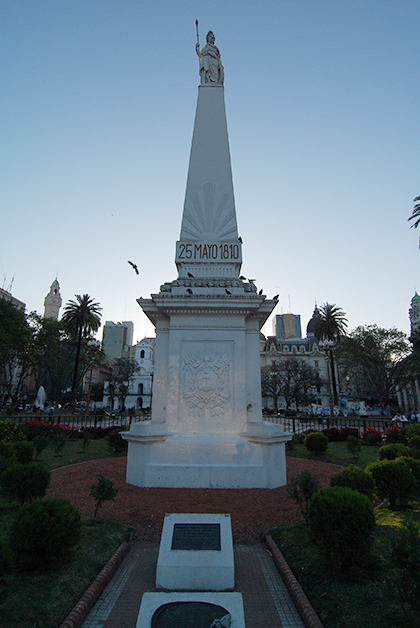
196,570
207,428
232,602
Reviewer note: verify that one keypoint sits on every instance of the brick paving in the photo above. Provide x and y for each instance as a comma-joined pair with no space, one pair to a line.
265,597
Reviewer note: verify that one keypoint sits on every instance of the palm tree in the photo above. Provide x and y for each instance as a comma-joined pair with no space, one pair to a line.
81,318
416,213
331,325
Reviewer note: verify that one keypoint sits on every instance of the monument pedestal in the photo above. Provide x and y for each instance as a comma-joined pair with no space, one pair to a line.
212,461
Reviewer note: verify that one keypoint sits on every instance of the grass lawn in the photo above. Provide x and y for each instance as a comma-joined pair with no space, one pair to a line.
43,600
368,598
337,453
74,451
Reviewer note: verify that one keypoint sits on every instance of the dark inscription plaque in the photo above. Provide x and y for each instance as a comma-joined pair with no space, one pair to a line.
196,536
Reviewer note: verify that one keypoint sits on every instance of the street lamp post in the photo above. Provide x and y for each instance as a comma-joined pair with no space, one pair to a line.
326,347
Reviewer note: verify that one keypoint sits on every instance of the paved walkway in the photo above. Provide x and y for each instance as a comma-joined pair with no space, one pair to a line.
265,597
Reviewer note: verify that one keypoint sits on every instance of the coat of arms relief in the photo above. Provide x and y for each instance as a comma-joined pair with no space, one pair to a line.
206,382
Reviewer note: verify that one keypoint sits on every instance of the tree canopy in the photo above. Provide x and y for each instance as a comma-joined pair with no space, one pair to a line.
293,379
416,213
17,348
375,362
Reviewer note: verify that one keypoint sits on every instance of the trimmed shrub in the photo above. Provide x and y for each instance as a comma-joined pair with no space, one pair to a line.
405,560
342,523
23,482
40,443
24,451
392,451
340,435
6,558
393,480
37,427
353,477
354,445
371,436
414,465
316,443
393,435
302,488
7,430
7,456
116,443
44,531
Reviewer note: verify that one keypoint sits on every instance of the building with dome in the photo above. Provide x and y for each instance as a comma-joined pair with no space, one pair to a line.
287,342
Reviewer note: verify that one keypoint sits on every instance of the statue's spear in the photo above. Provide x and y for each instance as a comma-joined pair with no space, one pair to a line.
198,40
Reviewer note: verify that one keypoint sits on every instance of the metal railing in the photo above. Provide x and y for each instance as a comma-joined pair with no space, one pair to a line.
80,421
299,424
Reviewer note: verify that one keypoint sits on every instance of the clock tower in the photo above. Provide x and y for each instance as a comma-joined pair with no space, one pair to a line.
52,301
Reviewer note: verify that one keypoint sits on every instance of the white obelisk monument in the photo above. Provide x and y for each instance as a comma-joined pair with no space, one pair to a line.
206,428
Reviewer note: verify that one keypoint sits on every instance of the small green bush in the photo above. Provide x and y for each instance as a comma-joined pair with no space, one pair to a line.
102,492
316,443
7,456
393,480
405,561
342,523
354,445
116,443
392,451
6,558
353,477
40,443
302,488
24,451
44,531
414,465
23,482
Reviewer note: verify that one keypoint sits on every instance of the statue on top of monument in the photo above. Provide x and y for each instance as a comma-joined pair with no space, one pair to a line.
211,68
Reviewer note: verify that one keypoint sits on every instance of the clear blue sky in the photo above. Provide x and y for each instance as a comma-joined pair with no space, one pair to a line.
97,109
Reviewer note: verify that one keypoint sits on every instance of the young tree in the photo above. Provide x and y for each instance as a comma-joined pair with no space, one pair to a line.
374,360
331,325
272,383
81,318
123,371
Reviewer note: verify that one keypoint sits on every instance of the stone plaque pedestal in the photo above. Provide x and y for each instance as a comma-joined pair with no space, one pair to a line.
196,553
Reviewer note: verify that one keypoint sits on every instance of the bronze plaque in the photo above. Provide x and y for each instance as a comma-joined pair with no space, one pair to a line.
196,536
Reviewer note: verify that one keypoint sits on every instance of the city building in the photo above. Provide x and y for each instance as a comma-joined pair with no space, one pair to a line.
117,339
287,343
139,395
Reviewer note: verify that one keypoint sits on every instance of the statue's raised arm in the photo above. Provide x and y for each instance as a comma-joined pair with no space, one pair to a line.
211,68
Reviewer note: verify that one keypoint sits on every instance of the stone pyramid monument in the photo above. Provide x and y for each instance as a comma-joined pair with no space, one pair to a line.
206,428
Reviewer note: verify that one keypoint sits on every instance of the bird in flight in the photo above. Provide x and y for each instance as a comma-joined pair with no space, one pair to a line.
134,266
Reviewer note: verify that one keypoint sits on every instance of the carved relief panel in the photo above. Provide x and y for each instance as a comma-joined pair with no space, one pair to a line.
206,375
